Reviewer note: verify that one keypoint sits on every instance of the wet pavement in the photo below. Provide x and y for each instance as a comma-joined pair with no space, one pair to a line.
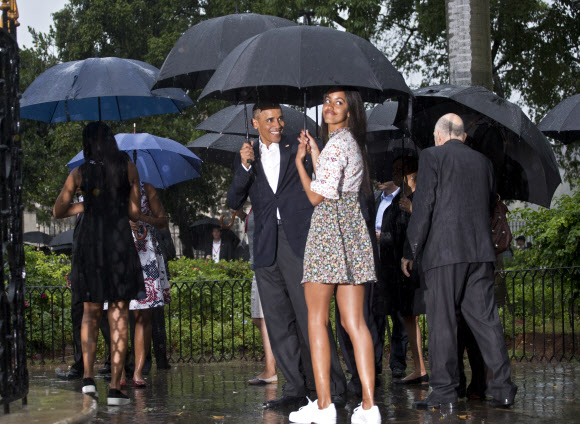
218,393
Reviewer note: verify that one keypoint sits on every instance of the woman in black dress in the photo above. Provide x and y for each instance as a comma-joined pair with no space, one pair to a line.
105,263
406,293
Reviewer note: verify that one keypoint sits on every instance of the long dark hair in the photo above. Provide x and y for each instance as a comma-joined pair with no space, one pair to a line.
104,163
357,122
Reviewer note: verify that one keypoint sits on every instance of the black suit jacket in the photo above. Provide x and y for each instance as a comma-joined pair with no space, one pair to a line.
452,206
290,198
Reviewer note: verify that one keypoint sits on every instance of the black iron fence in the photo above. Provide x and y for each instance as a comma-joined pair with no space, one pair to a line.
211,321
13,370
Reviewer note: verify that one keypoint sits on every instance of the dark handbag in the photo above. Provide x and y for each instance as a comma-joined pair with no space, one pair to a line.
501,235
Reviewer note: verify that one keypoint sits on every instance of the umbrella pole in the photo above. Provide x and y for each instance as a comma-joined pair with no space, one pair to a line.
99,104
316,121
305,111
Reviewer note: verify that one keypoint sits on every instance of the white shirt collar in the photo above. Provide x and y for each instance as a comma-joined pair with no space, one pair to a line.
268,149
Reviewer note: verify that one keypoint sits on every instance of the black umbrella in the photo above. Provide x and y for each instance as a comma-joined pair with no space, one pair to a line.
199,51
218,148
36,237
62,241
385,146
231,121
297,64
524,163
201,234
563,122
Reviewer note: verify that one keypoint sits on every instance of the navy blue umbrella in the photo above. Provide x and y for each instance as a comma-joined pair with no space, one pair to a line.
160,161
104,89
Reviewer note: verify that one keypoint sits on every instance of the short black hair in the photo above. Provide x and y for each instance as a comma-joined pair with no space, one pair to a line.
260,106
520,238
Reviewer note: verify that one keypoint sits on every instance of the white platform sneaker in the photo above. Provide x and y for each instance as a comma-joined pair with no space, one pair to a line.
366,416
311,414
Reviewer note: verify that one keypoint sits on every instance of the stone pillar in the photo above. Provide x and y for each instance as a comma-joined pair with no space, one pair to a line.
469,42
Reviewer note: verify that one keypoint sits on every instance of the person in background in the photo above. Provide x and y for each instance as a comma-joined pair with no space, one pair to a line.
269,374
218,249
399,340
450,230
521,243
105,263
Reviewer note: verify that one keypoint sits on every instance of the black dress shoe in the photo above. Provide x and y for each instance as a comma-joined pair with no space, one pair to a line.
398,373
71,374
505,402
430,403
415,381
339,401
285,402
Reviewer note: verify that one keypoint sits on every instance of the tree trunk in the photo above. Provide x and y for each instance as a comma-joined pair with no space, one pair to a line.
469,42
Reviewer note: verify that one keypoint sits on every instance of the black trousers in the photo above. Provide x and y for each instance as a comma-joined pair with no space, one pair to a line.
286,315
469,289
76,312
345,342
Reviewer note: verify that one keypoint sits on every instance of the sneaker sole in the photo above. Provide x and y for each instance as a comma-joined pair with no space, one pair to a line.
118,401
89,390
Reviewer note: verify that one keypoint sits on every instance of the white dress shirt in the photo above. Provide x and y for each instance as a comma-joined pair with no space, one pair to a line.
215,250
385,203
270,158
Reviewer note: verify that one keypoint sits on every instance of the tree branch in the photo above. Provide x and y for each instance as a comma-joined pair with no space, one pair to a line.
404,45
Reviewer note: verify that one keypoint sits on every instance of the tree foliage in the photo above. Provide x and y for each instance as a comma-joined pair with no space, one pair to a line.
555,233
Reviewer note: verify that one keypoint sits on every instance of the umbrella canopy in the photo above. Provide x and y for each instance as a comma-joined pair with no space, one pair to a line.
306,61
218,148
382,117
36,237
160,161
201,234
199,51
63,240
231,120
524,163
107,89
563,122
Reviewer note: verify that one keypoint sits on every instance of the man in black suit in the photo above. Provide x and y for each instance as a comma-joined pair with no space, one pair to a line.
451,226
265,171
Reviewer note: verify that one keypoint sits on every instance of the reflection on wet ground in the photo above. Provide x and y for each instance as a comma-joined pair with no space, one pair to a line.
218,393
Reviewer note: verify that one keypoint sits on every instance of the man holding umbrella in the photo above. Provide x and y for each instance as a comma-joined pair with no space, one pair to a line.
266,172
451,226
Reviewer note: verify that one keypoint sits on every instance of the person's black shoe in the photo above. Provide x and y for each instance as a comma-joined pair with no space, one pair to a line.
163,365
285,402
89,387
398,373
117,398
507,401
105,370
415,381
431,403
71,374
107,377
339,401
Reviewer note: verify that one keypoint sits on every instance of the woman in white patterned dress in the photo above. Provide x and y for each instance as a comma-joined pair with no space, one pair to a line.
338,256
154,274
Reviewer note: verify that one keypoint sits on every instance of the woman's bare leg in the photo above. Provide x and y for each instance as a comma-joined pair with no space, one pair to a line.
118,324
318,298
143,329
414,334
270,369
350,303
92,313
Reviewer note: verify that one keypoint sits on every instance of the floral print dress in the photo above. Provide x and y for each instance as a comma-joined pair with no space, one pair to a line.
338,248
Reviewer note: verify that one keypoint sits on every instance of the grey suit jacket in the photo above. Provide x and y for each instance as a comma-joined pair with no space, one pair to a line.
452,206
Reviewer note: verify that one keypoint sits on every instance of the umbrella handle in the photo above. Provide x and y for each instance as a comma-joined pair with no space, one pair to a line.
140,237
227,227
